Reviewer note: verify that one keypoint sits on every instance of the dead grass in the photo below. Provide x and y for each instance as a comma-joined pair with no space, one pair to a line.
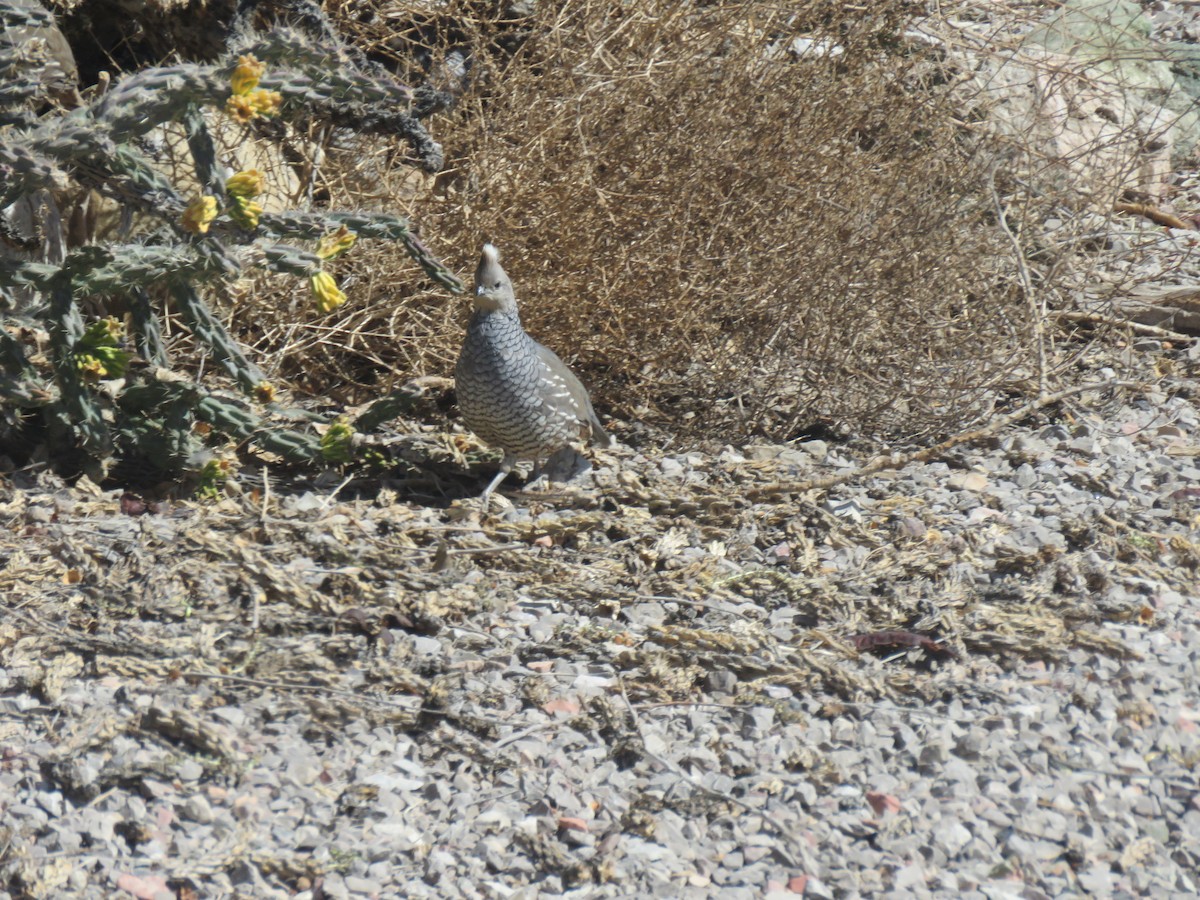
726,236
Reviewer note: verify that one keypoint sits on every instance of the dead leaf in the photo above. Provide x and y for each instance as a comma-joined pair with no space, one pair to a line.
882,803
561,705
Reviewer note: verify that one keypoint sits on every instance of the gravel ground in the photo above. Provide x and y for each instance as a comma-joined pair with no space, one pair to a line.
971,677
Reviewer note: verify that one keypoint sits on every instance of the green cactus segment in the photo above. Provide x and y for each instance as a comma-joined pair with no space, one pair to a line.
172,438
292,260
15,93
433,268
291,445
25,171
122,267
146,328
78,411
157,424
203,150
20,385
18,273
385,409
153,97
25,392
207,329
18,15
365,225
315,73
127,175
18,84
230,418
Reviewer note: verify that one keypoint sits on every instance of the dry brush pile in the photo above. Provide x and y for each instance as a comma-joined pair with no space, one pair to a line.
745,216
733,219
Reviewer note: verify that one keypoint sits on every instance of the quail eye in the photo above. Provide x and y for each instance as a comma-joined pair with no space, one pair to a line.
496,285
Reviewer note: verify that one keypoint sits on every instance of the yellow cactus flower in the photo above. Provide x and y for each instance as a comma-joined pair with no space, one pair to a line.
98,353
264,392
336,243
326,292
240,108
199,215
90,368
246,75
245,107
245,184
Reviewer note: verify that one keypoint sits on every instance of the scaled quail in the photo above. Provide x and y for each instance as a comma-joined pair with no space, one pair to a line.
514,393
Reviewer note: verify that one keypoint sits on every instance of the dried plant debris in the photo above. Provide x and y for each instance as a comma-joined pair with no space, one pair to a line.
643,680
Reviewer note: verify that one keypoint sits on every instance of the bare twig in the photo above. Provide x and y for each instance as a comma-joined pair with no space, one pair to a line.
1037,310
1154,214
1114,322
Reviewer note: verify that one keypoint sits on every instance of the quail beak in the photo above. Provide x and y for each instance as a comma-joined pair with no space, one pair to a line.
485,299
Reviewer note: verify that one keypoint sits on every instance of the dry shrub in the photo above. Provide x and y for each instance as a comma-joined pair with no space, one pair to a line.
734,219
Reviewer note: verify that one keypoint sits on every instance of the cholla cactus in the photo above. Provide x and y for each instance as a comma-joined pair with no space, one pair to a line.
148,410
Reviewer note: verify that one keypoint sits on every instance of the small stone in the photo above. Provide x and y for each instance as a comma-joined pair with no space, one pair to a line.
952,838
967,481
818,450
197,809
910,527
189,770
357,885
671,468
720,681
1085,445
39,515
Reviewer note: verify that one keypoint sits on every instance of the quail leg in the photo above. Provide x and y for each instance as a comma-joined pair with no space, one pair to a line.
538,479
506,466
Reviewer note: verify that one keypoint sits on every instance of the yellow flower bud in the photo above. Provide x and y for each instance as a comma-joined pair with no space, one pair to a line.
336,442
265,103
103,333
199,215
336,243
326,292
245,212
245,184
245,76
212,477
